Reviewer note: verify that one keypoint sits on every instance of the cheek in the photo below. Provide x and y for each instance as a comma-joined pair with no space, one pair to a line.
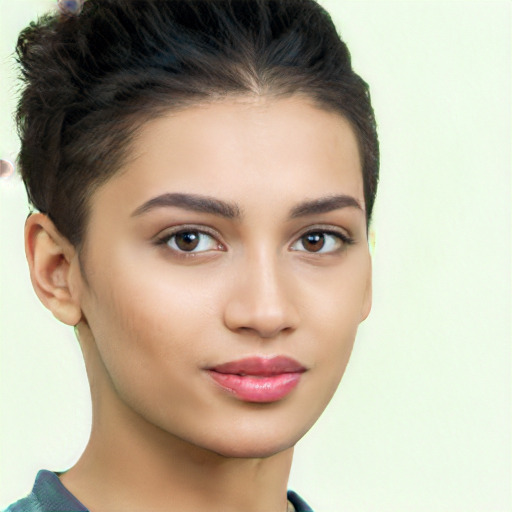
130,326
339,297
338,305
147,316
148,341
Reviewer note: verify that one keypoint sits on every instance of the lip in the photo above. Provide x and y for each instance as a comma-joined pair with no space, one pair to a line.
258,379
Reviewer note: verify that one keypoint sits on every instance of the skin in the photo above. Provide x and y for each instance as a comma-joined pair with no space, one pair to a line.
151,318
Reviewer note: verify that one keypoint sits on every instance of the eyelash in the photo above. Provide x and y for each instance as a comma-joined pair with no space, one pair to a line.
344,240
168,236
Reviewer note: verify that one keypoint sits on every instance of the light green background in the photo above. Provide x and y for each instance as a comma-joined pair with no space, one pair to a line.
422,421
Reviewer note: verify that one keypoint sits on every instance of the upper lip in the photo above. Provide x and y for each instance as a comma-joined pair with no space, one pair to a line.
260,366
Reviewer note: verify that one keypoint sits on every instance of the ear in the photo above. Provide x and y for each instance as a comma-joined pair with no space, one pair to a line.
53,263
367,302
367,298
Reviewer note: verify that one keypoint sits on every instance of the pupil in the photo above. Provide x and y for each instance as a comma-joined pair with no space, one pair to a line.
187,240
314,242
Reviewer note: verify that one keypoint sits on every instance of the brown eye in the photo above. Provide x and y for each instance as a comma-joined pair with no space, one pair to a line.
191,241
320,242
313,242
187,240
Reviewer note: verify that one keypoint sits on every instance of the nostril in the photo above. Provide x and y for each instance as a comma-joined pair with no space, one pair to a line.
261,304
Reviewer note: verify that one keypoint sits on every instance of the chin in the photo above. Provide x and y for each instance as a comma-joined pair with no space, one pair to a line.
254,450
253,443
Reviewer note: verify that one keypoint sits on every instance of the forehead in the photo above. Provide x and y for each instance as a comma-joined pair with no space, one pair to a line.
244,150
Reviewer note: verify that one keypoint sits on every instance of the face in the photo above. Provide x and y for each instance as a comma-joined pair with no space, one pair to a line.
226,272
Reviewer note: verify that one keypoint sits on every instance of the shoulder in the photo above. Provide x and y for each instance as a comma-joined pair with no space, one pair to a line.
299,504
48,495
27,504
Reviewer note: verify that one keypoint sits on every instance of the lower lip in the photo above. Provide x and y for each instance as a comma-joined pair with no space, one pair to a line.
257,389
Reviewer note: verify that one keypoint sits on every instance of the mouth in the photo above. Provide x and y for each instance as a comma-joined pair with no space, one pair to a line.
258,379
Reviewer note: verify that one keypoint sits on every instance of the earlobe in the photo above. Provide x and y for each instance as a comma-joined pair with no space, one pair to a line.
51,259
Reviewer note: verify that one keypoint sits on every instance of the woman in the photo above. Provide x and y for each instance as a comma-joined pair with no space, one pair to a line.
203,176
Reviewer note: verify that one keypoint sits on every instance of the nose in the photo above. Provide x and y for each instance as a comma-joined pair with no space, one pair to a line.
261,300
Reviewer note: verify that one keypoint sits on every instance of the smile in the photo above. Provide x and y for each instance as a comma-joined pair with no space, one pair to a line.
258,379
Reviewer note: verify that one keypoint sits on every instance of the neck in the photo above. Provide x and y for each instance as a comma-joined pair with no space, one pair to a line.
131,464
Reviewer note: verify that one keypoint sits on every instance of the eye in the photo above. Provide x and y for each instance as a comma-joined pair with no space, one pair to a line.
321,242
191,241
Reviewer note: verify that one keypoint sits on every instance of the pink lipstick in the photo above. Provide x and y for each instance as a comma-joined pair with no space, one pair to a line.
258,379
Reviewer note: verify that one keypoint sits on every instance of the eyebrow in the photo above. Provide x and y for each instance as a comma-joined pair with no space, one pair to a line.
193,202
206,204
325,205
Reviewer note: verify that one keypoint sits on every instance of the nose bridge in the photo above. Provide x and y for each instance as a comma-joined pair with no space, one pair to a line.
262,299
